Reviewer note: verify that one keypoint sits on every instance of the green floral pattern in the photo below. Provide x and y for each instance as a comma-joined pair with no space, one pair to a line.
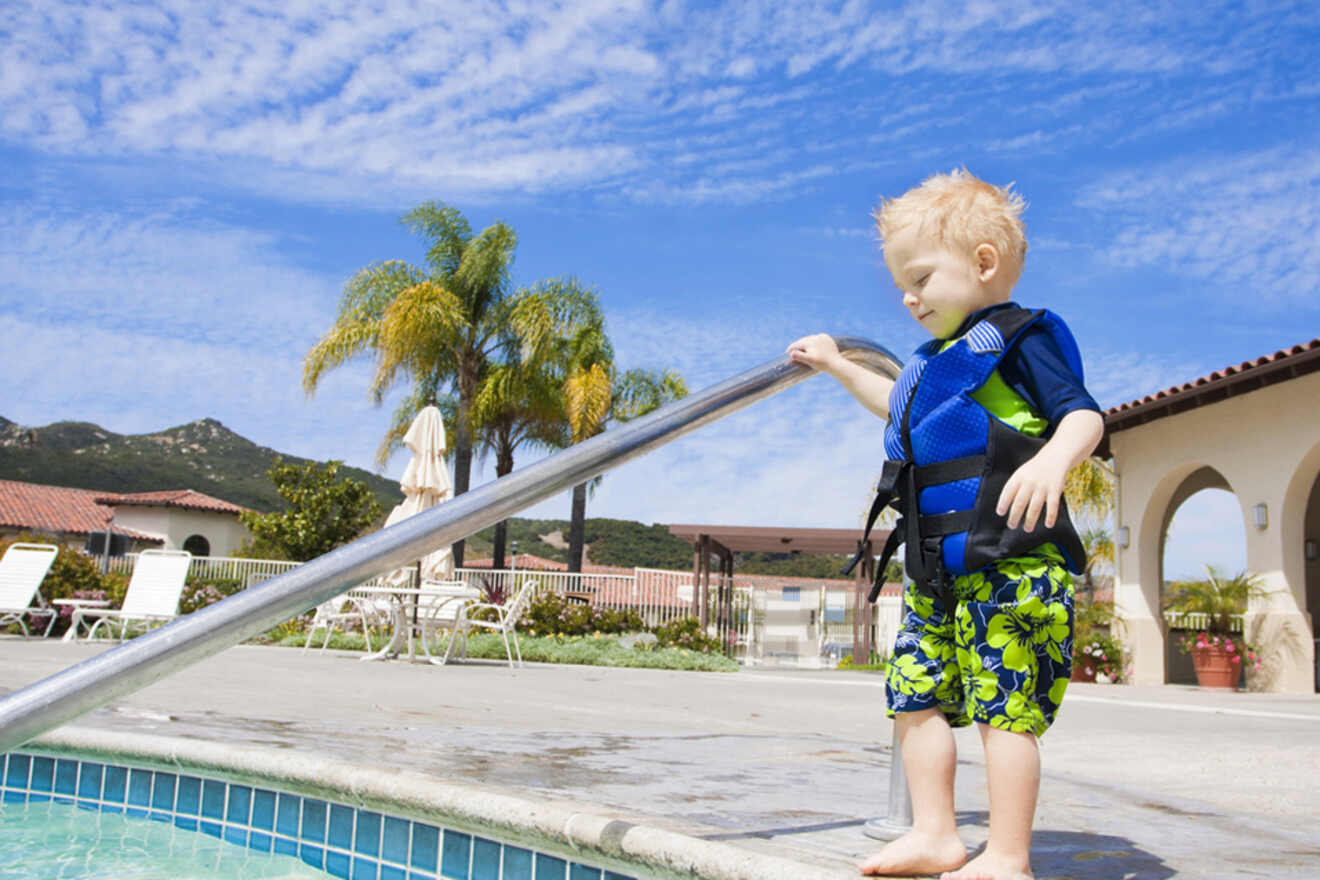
1002,658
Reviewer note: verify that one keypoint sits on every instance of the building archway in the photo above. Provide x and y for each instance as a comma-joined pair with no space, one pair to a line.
197,545
1204,506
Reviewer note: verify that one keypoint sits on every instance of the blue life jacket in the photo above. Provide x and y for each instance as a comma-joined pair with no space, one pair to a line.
949,458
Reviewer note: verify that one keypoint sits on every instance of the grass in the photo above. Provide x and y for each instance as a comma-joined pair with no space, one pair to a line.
592,650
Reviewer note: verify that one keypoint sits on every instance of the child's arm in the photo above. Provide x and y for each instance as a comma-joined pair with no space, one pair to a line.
821,353
1039,483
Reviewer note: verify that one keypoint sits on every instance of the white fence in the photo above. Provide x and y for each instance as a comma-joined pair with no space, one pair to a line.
1199,621
815,627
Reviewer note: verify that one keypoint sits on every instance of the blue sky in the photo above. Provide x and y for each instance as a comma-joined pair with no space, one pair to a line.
188,186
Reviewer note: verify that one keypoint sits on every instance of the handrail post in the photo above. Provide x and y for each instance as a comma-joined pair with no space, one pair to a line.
897,819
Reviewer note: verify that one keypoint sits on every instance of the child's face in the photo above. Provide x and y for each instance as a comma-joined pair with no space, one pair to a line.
940,287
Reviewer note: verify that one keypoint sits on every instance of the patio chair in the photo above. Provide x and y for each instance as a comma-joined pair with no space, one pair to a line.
505,622
343,611
440,608
22,570
153,594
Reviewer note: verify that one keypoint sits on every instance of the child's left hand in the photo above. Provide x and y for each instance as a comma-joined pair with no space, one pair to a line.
1035,486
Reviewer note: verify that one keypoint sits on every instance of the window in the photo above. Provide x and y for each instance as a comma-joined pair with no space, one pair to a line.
197,546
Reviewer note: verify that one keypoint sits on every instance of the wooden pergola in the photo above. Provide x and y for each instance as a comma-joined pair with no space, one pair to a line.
721,542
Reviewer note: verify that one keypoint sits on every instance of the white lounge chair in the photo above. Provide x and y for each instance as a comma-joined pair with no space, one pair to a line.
342,612
22,570
153,594
505,622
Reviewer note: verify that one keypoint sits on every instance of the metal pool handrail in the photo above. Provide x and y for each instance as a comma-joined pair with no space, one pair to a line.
50,702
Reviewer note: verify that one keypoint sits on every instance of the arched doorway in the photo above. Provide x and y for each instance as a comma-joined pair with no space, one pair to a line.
1202,526
197,545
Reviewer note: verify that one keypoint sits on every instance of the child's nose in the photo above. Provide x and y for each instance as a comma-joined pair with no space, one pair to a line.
910,299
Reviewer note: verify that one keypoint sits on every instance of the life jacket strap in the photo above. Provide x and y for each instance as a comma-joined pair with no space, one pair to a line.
885,495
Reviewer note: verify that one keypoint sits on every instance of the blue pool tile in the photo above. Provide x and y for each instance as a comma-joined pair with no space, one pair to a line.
135,812
389,872
162,791
43,774
16,773
312,855
340,832
337,864
260,842
15,797
313,820
139,787
425,846
582,872
421,875
517,863
116,784
240,800
263,809
186,822
188,800
286,816
66,777
455,855
485,859
365,869
235,835
550,868
89,783
367,840
211,828
213,799
286,847
394,840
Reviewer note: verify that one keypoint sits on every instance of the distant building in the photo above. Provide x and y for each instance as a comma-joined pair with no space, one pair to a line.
174,520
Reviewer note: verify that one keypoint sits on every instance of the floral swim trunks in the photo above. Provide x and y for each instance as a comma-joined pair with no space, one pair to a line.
1003,657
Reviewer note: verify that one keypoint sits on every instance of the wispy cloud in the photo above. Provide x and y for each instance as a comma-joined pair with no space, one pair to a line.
484,97
1243,221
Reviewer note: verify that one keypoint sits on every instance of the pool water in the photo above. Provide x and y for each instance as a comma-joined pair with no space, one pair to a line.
54,841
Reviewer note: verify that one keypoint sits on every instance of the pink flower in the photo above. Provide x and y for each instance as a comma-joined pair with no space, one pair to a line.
1258,667
1237,659
1228,645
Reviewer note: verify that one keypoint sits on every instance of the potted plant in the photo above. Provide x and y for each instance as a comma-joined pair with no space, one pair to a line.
1217,604
1097,650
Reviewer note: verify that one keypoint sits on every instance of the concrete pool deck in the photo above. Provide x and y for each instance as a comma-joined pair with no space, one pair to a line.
1138,782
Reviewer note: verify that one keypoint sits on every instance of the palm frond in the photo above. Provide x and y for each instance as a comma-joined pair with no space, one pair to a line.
482,276
638,392
448,232
357,325
1089,488
587,401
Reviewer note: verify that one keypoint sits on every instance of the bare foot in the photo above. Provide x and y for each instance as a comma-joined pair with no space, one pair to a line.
991,866
916,853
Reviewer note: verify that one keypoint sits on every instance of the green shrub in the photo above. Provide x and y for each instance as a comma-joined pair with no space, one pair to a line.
200,592
550,614
686,632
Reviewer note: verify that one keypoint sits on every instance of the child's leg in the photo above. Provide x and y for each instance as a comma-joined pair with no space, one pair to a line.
1012,766
929,759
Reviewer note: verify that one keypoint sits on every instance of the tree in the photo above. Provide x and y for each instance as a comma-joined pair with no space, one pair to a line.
519,401
596,395
437,326
323,512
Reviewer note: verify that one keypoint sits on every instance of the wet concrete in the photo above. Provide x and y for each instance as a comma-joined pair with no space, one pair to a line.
1138,782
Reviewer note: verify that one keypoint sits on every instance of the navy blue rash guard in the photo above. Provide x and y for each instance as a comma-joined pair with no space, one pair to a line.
1036,369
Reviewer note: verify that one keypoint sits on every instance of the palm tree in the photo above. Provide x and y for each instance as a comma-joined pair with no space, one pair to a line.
595,395
520,398
437,325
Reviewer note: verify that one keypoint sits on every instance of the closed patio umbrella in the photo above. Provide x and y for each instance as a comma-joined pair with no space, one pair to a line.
425,484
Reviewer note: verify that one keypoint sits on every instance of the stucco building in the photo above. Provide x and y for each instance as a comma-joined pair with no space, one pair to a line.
1254,430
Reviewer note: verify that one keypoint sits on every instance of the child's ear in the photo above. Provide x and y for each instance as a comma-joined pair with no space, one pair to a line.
987,260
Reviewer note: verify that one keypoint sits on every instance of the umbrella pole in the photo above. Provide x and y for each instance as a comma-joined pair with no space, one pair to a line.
412,628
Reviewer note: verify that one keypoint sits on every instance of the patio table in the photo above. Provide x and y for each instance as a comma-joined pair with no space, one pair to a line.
434,602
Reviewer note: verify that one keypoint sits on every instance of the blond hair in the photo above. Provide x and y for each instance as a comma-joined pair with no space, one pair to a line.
961,211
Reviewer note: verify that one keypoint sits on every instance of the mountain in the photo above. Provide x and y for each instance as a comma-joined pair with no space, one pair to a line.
203,455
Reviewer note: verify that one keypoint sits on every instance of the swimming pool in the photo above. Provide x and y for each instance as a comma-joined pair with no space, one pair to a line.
338,838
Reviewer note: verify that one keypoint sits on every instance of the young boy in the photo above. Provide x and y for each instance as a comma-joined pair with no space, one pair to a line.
985,422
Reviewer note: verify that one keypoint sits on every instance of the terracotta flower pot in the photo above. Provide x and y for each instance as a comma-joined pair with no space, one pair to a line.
1215,667
1083,668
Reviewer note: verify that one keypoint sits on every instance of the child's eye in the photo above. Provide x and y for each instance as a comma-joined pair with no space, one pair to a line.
921,282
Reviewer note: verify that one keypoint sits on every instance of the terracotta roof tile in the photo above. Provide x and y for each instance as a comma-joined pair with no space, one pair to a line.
1235,378
56,509
184,498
